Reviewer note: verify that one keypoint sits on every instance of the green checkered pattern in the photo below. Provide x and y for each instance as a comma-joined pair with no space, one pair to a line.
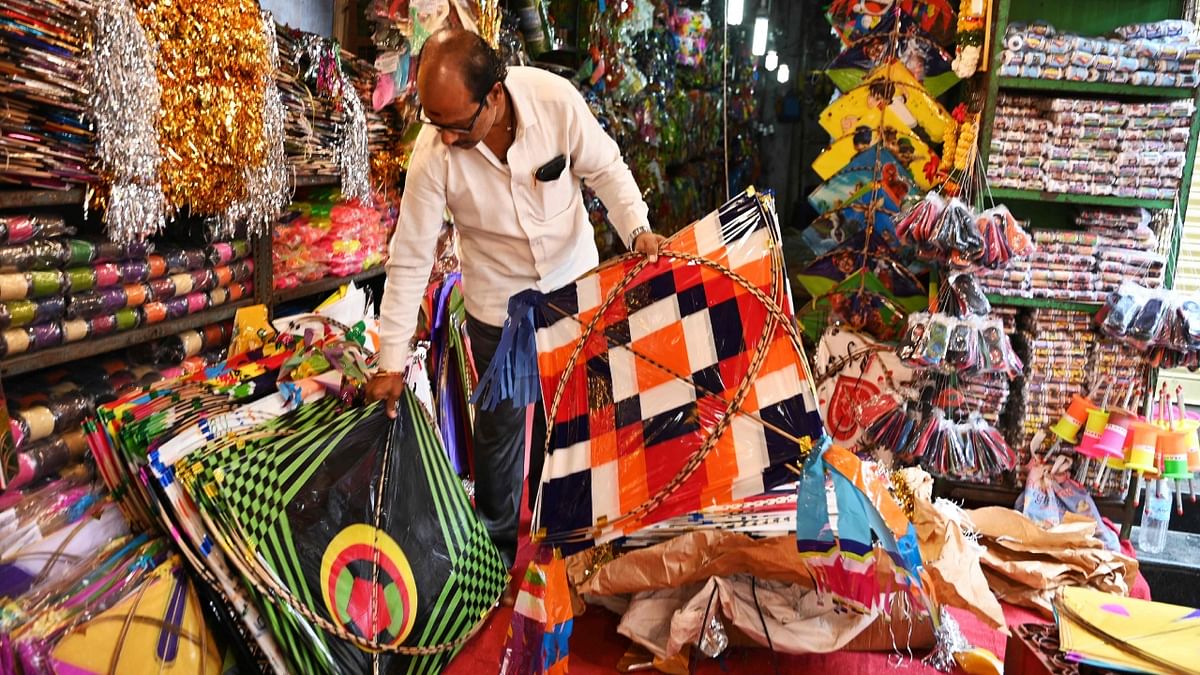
256,481
477,576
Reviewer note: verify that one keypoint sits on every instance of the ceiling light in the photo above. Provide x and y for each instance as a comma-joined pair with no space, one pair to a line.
759,45
734,12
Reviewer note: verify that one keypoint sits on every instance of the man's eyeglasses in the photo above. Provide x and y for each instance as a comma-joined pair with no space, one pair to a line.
424,119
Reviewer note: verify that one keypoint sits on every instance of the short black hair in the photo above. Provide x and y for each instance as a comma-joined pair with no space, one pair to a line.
483,66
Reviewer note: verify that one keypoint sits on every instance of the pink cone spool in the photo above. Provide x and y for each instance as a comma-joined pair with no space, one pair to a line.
1068,426
1097,422
1112,440
1144,441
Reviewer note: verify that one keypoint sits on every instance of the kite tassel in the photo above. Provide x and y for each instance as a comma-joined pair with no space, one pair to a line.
513,373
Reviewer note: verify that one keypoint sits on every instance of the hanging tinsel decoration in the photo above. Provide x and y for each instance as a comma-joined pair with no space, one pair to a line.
212,60
948,641
320,63
267,191
354,160
124,104
489,22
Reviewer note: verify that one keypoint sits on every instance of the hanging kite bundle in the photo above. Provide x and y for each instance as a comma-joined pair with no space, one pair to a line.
878,163
452,370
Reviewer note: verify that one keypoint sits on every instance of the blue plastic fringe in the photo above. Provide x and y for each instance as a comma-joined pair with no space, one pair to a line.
513,373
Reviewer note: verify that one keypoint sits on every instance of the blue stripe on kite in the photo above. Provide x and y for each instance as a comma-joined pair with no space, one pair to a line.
815,546
859,548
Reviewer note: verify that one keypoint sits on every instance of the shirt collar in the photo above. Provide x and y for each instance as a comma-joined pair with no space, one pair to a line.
522,103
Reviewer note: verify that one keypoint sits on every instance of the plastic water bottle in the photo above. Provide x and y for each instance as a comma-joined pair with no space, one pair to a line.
1156,516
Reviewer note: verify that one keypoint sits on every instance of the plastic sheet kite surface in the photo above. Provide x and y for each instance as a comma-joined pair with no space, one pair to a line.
360,524
675,385
864,553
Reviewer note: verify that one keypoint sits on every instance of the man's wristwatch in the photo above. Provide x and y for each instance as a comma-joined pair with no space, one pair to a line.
633,236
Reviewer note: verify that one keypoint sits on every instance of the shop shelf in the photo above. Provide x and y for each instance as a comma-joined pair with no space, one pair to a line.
1106,88
315,181
1090,200
326,285
25,199
24,363
33,198
975,495
1043,303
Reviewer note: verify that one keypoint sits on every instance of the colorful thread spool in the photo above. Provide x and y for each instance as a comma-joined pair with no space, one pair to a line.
1112,440
1067,427
1097,422
1192,427
1173,448
1142,450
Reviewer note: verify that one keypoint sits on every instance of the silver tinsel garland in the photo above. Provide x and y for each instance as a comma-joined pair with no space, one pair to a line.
948,641
354,160
124,102
267,185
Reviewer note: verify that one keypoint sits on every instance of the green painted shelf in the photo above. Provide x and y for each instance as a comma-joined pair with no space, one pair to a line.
1043,303
1092,200
1031,84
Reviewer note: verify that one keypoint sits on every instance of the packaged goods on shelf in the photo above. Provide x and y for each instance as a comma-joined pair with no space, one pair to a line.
325,236
1056,346
56,290
1138,54
45,136
1092,147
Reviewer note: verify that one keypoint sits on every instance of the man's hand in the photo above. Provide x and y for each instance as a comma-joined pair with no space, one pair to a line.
648,244
386,387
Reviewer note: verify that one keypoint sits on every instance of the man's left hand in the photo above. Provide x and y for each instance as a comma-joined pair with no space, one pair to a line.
649,244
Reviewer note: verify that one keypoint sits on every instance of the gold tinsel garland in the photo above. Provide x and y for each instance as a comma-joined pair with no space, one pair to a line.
489,22
212,60
902,492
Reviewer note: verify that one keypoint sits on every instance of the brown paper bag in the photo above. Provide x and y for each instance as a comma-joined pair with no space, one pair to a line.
695,557
953,564
1026,564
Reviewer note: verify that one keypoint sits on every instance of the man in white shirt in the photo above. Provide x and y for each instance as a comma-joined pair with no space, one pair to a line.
504,150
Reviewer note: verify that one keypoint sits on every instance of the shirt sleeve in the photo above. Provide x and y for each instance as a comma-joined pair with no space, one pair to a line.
596,158
411,253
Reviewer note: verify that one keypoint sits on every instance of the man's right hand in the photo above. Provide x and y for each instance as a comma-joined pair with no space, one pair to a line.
386,387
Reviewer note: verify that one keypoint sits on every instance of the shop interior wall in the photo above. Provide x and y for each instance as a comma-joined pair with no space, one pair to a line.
806,43
314,16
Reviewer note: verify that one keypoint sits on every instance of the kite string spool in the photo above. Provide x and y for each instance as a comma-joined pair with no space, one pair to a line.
775,318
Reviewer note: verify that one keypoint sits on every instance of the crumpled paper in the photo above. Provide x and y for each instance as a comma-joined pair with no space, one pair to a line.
693,558
674,584
1026,564
953,563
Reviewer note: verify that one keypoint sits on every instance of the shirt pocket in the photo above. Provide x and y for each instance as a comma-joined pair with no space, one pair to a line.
556,197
